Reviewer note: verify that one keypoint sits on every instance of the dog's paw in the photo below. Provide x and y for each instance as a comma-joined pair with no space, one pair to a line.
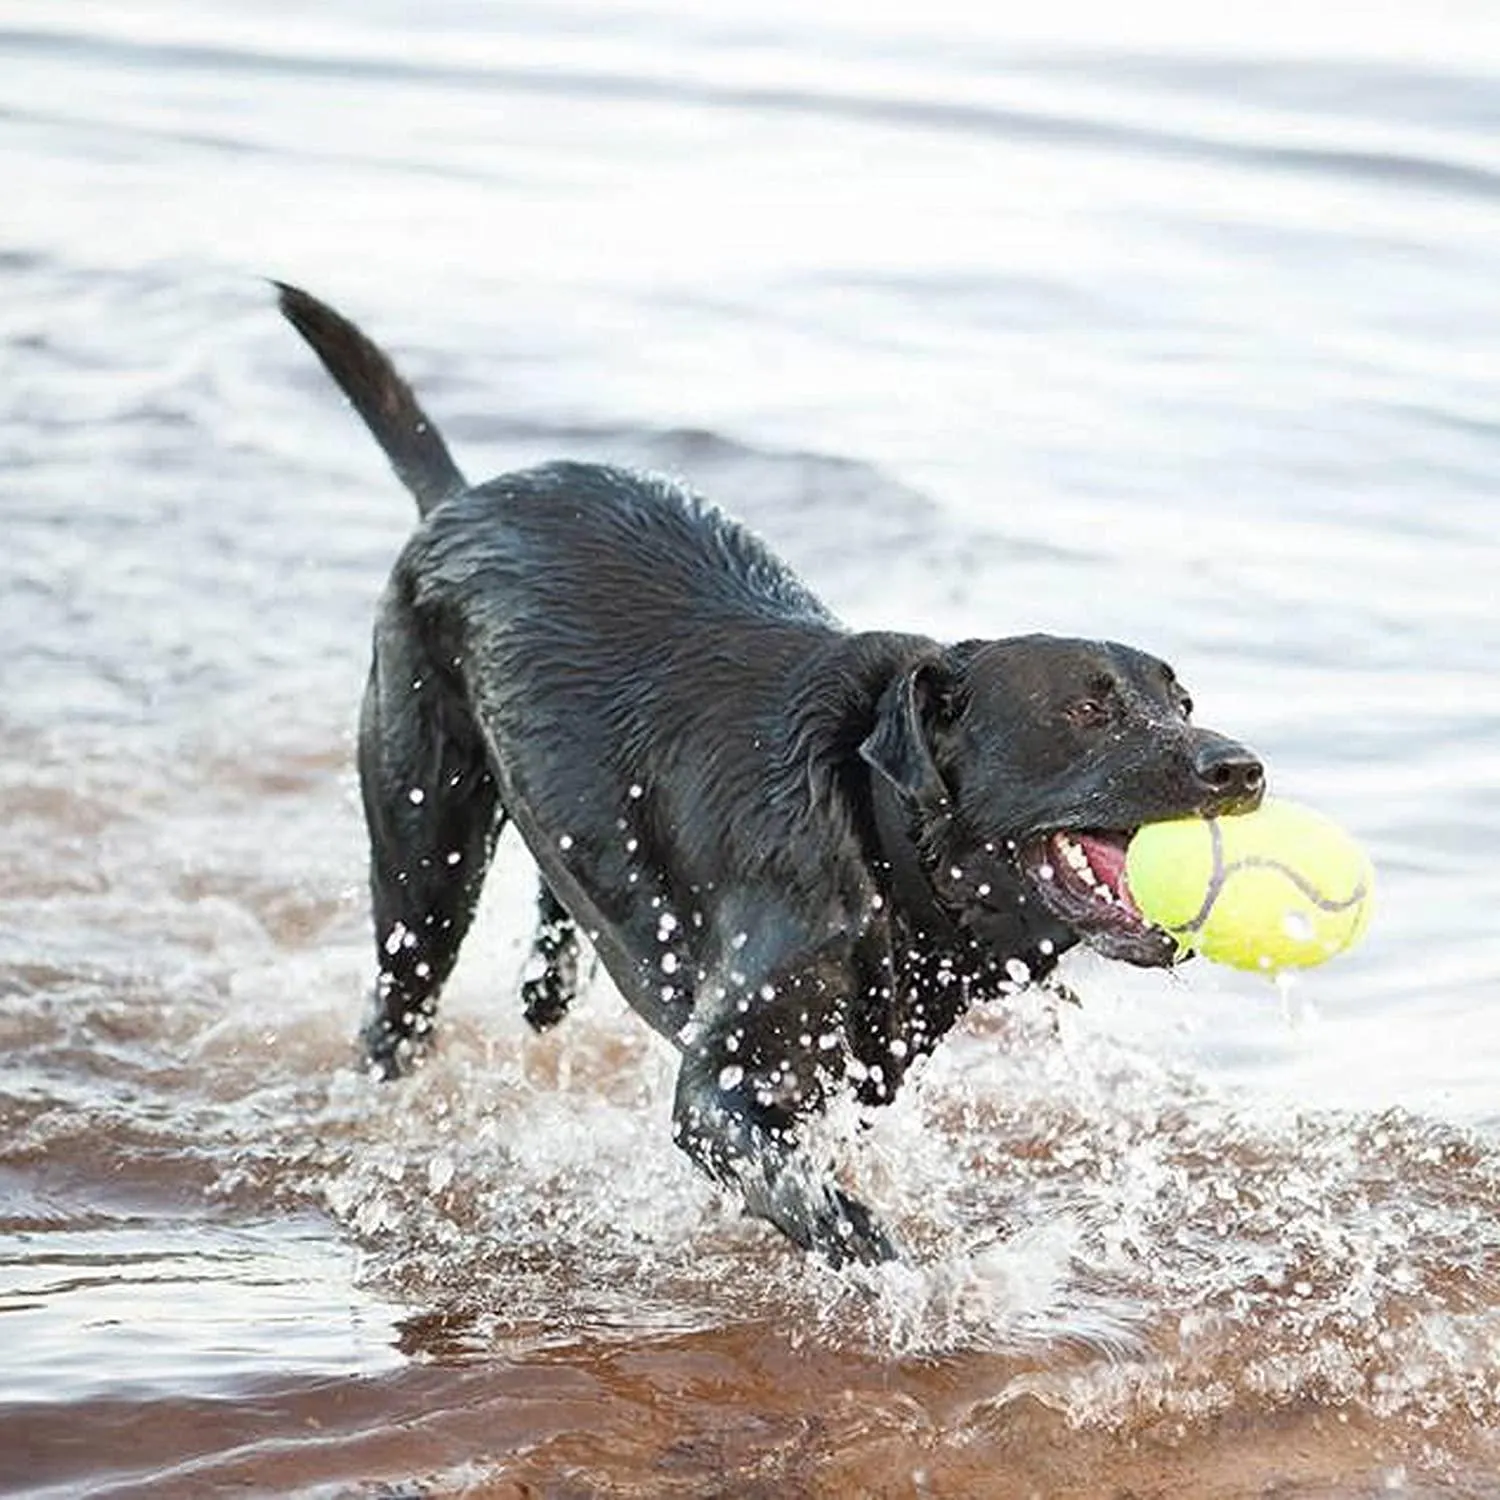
851,1233
826,1220
387,1052
547,996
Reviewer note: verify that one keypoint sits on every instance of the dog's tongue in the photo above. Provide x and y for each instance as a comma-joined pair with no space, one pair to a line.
1107,859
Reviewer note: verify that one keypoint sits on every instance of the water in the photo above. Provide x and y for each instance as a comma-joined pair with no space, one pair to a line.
1172,328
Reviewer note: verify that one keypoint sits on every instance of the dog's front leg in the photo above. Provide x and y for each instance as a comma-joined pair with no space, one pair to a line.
740,1091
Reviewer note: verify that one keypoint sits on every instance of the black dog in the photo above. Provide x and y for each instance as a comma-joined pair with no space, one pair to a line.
800,853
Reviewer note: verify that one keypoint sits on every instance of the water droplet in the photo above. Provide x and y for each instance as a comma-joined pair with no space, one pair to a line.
416,795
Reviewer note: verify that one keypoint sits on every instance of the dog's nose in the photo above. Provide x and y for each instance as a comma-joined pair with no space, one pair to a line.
1231,773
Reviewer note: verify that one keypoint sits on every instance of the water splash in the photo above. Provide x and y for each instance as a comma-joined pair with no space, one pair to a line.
1124,1240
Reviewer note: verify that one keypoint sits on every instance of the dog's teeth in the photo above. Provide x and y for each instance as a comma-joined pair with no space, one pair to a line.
1077,860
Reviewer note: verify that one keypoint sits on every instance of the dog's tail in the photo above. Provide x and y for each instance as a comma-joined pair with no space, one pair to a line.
367,377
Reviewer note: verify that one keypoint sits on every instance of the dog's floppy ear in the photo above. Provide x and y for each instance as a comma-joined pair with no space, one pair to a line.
899,747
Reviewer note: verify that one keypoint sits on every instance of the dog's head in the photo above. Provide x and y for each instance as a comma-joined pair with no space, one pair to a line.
1041,756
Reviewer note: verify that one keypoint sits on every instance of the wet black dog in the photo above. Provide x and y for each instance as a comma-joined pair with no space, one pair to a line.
800,853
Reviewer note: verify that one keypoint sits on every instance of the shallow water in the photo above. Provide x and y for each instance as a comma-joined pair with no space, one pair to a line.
1176,330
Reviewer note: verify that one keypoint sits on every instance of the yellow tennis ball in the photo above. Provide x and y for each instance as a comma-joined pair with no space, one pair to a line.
1279,888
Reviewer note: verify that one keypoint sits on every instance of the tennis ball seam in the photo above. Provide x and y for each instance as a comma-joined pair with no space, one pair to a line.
1222,872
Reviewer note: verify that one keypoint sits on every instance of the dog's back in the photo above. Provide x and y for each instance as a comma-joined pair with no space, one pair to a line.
600,622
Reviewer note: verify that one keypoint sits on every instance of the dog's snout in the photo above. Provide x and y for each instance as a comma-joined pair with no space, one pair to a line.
1232,775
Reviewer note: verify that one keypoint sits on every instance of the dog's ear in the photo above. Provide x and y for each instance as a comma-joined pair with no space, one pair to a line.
899,747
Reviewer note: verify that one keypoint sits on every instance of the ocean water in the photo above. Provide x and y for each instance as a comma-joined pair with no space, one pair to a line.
1170,327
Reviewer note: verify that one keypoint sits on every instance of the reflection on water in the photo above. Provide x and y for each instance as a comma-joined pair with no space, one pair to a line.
1181,334
159,1302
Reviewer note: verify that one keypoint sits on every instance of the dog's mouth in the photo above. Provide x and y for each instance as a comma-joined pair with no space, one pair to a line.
1079,875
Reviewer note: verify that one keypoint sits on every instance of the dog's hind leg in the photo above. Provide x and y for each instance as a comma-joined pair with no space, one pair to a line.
552,975
433,813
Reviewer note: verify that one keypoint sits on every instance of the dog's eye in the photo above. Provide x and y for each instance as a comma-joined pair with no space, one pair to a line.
1087,713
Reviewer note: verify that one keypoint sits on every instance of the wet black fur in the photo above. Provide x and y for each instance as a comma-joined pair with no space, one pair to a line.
792,847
